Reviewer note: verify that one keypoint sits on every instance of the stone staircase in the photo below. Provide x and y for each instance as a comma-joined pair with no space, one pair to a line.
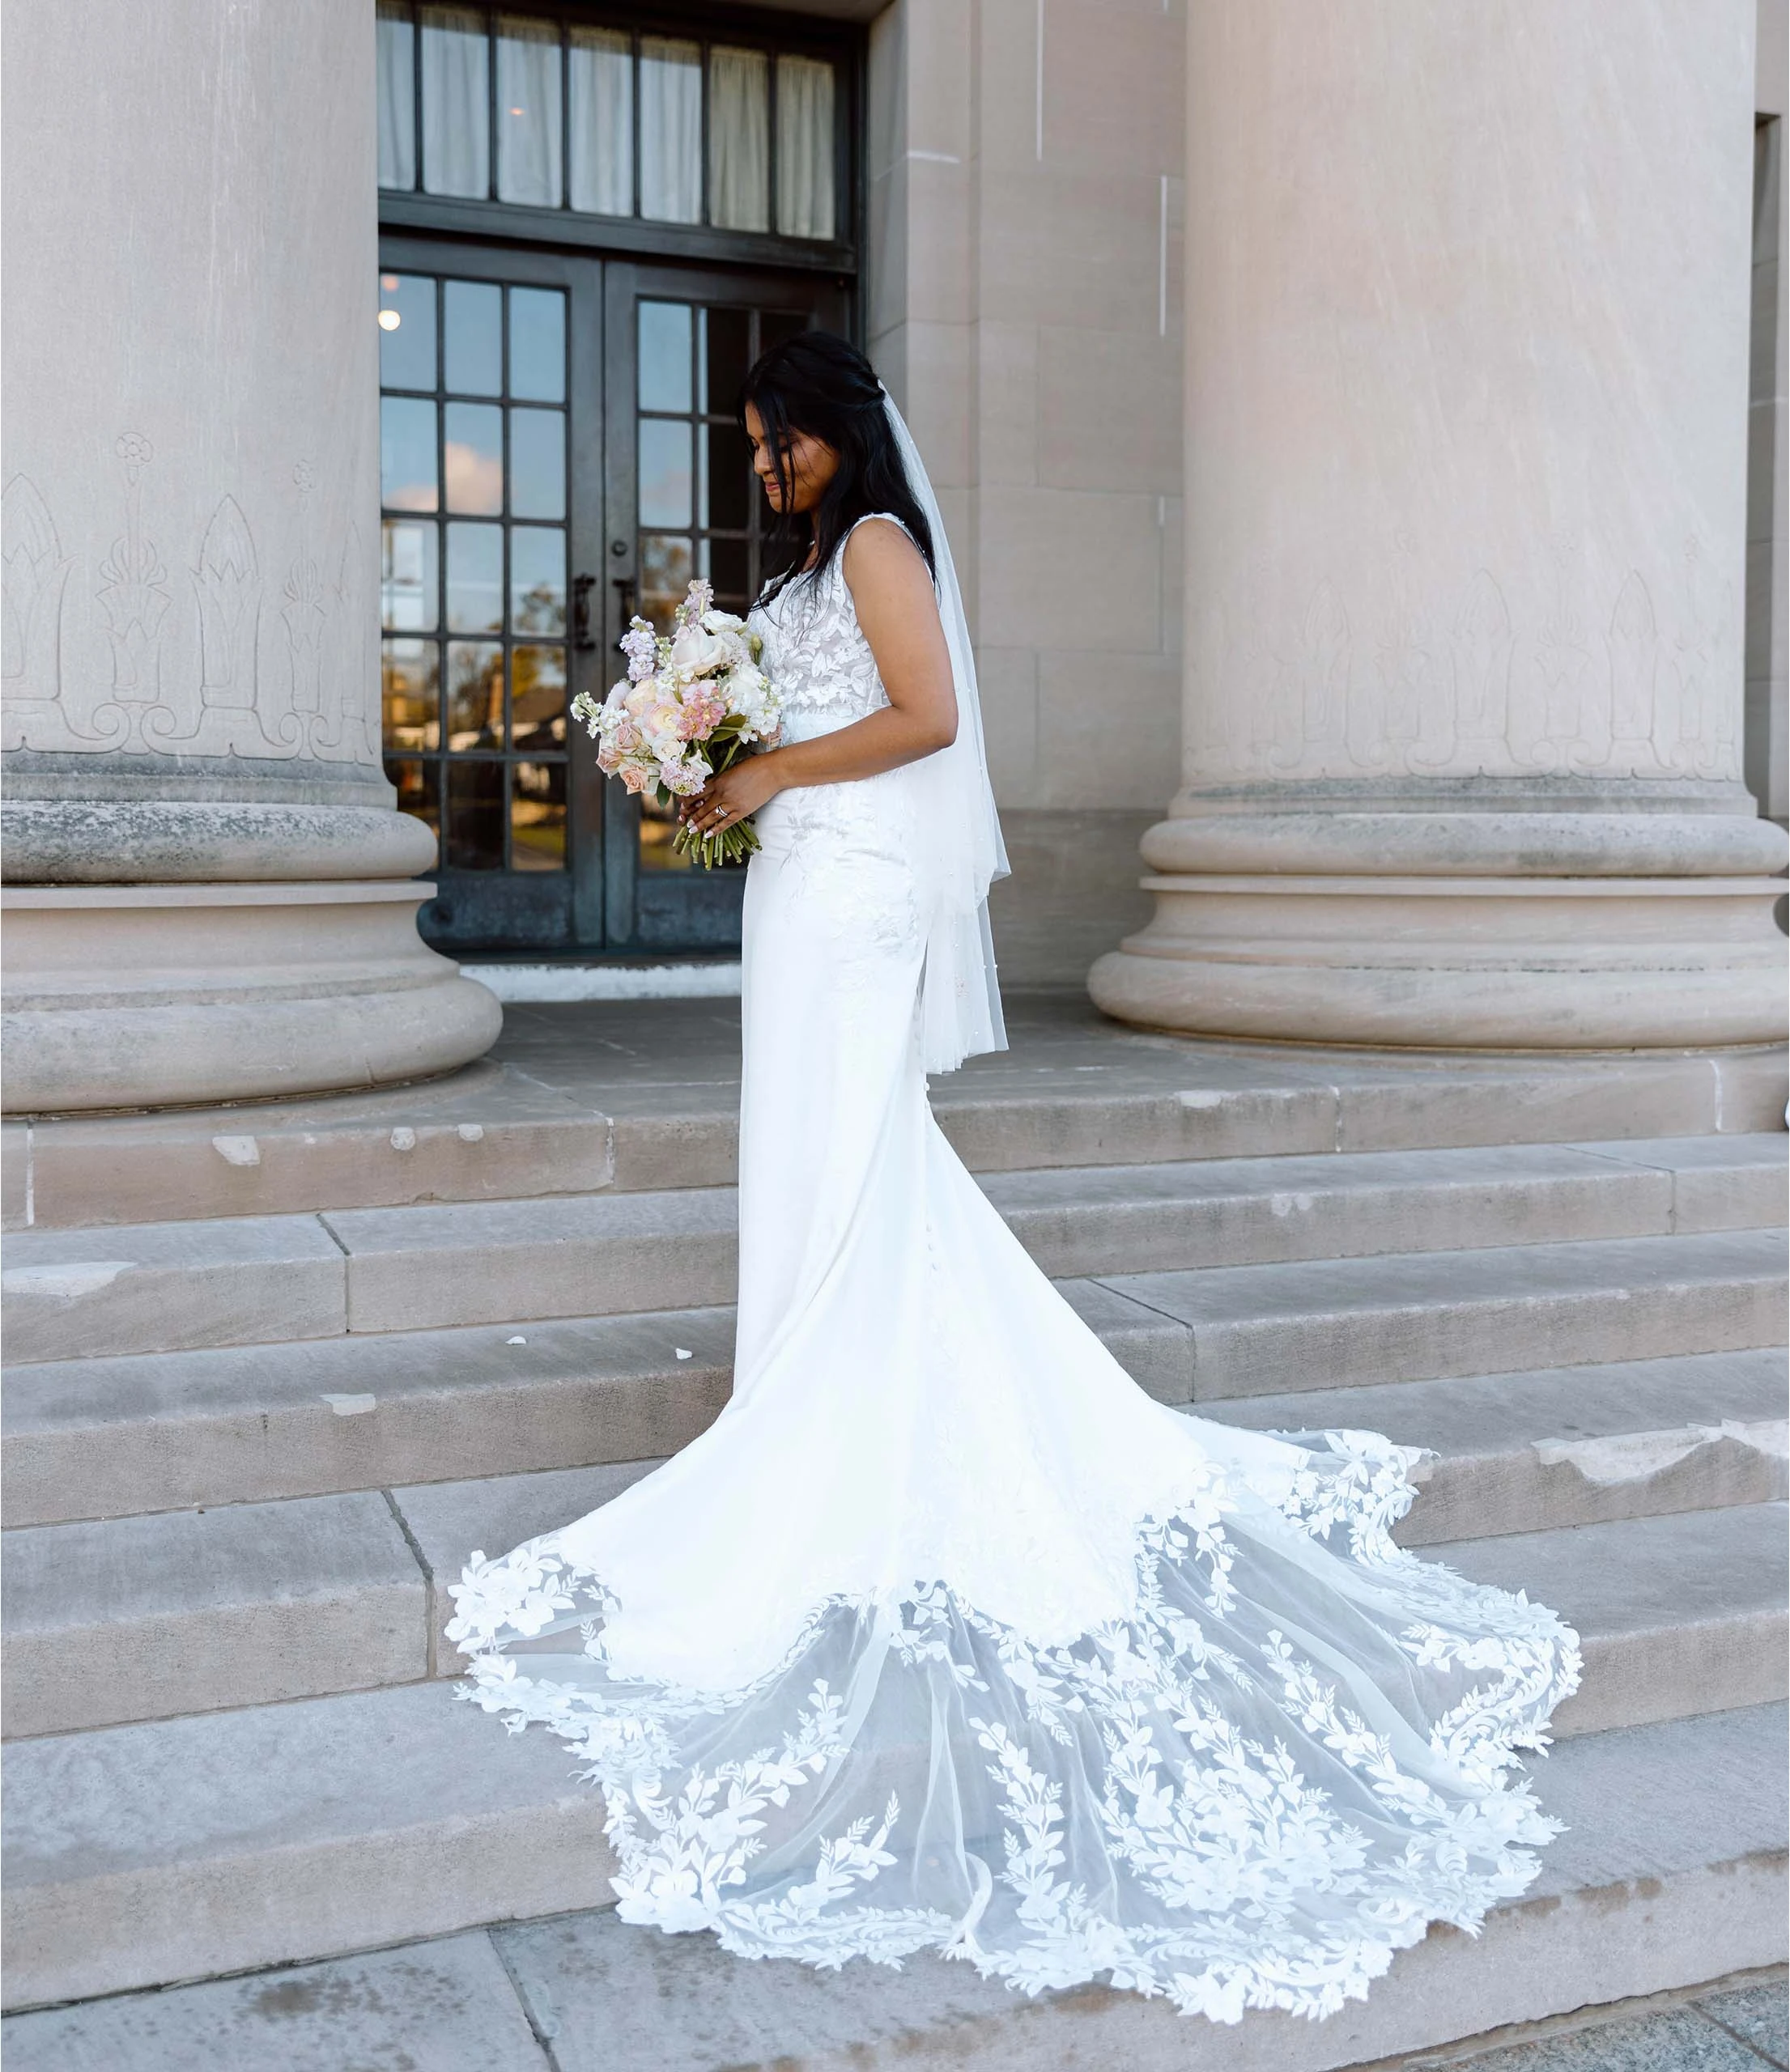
276,1372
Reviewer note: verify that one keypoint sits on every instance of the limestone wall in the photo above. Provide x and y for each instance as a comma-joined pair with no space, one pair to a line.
1025,306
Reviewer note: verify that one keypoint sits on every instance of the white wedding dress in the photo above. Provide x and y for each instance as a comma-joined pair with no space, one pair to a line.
944,1636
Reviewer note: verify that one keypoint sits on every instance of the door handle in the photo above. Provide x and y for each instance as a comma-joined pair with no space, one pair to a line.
624,603
582,587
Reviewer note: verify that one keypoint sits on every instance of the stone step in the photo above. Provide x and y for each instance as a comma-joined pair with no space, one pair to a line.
643,1096
80,1294
1678,1615
1136,1219
1565,1446
171,1286
189,1611
1331,1324
146,1855
110,1437
164,1431
185,1611
486,1133
1561,1975
184,1848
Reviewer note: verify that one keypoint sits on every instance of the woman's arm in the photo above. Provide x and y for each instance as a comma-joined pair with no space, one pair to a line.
898,613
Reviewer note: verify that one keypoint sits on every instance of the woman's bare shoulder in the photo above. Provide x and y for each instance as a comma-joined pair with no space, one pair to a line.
880,555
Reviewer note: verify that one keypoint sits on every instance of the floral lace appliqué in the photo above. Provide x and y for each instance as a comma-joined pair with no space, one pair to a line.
1182,1801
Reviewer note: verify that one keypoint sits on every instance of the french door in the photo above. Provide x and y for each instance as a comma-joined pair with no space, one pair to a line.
558,450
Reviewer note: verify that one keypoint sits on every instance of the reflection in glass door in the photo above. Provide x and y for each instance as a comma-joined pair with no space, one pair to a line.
475,496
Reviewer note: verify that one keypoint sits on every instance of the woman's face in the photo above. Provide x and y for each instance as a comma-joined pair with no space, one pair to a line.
811,464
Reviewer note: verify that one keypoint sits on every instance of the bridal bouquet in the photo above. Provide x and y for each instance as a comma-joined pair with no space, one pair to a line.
691,704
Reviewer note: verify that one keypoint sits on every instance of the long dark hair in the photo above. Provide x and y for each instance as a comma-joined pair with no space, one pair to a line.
818,383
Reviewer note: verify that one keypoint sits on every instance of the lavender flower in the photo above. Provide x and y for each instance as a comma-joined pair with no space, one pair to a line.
640,645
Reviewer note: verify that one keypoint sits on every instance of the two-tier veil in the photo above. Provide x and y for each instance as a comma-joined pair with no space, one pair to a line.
961,850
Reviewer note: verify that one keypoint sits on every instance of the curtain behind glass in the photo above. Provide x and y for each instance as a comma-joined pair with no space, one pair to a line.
456,102
671,143
528,110
396,95
805,147
739,139
601,89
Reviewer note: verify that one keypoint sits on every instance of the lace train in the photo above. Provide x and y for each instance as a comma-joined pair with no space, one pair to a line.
1215,1798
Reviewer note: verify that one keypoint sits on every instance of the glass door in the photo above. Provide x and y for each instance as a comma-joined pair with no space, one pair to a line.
558,451
490,381
684,503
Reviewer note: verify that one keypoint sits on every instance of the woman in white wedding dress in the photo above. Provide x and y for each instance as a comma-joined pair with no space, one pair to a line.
944,1636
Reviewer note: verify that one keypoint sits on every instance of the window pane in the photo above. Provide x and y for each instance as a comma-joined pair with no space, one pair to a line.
475,817
528,110
739,139
805,155
410,682
665,571
475,694
537,816
456,102
473,453
671,145
665,471
537,698
418,792
727,477
775,326
406,331
723,354
407,577
727,572
396,94
538,463
472,318
406,454
537,345
538,579
601,90
475,578
664,356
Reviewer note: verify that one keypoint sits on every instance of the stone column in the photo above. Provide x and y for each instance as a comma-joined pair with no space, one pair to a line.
209,892
1466,381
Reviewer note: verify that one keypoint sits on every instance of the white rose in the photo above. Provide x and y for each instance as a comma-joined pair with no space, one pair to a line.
695,652
722,623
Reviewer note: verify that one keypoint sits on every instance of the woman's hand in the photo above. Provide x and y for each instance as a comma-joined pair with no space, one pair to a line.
726,800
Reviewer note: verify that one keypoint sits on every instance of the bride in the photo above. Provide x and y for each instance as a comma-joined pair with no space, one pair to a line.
944,1636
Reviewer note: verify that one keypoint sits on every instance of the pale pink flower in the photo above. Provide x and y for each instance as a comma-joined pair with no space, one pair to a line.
703,712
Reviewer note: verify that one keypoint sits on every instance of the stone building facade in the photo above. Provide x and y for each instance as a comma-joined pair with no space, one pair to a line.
1341,415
